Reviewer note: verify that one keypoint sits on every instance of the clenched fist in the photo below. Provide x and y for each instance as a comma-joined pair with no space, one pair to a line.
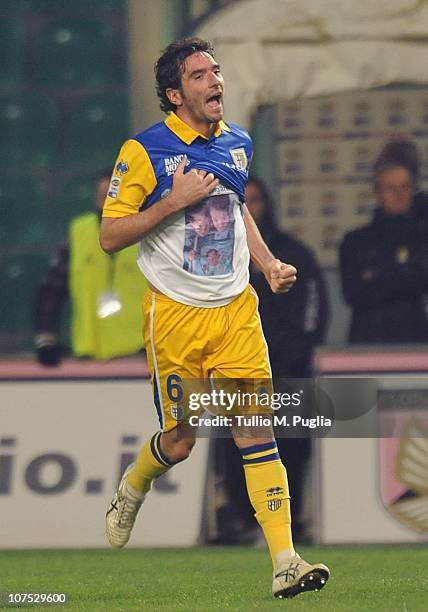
280,276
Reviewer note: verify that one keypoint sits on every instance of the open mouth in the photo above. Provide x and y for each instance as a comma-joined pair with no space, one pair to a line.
215,101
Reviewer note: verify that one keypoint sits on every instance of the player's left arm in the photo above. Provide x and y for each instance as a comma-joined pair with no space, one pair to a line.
280,276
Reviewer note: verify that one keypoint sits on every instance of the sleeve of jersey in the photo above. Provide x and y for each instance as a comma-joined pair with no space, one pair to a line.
132,181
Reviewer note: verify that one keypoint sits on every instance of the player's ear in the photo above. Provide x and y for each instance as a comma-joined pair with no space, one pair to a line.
174,96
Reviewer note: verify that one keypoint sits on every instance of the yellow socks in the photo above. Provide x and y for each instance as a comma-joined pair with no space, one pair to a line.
267,487
151,463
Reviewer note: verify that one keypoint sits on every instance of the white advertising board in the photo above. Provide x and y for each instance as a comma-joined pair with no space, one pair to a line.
373,489
350,507
63,445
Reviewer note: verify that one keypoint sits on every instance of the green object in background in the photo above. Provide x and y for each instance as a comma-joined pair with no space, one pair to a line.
23,213
54,53
76,197
19,276
96,129
29,131
39,6
73,52
11,52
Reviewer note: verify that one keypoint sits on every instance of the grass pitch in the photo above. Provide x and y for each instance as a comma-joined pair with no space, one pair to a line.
364,578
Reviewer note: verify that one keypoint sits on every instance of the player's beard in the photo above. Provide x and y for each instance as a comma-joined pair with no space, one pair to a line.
201,112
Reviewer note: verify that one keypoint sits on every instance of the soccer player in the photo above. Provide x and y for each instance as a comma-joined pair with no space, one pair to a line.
198,326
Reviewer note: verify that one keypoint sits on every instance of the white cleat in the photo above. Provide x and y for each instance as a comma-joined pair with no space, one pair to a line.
121,514
293,575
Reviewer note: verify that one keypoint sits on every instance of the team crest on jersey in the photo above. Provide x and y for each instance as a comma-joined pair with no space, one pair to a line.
176,412
239,157
274,504
121,167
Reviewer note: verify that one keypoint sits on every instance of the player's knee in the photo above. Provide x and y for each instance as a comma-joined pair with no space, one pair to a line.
183,449
179,450
245,441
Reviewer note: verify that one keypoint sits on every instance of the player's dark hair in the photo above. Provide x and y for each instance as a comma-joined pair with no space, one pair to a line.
170,66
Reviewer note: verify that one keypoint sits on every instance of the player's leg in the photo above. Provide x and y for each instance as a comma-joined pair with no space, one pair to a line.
244,355
267,487
161,452
172,357
167,351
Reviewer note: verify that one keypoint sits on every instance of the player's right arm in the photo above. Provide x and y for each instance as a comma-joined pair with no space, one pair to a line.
129,224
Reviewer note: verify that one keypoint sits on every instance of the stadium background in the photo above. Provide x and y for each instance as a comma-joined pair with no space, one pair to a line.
76,79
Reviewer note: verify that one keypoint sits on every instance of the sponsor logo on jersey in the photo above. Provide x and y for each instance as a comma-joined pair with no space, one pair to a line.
171,163
113,189
274,491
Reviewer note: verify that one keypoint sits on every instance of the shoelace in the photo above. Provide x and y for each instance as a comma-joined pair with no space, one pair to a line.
127,511
290,572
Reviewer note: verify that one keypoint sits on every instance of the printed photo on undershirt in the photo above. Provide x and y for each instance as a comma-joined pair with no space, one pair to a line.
210,236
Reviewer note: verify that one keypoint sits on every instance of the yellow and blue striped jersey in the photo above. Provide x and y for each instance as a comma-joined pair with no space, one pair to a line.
200,256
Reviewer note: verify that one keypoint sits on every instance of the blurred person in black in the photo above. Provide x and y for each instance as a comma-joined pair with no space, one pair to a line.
406,153
302,313
384,265
293,324
104,292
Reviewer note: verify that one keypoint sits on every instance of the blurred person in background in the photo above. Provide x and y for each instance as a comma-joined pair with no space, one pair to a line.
406,153
384,265
294,324
105,293
303,312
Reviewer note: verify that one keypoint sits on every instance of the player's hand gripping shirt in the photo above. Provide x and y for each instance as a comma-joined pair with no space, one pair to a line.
198,256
